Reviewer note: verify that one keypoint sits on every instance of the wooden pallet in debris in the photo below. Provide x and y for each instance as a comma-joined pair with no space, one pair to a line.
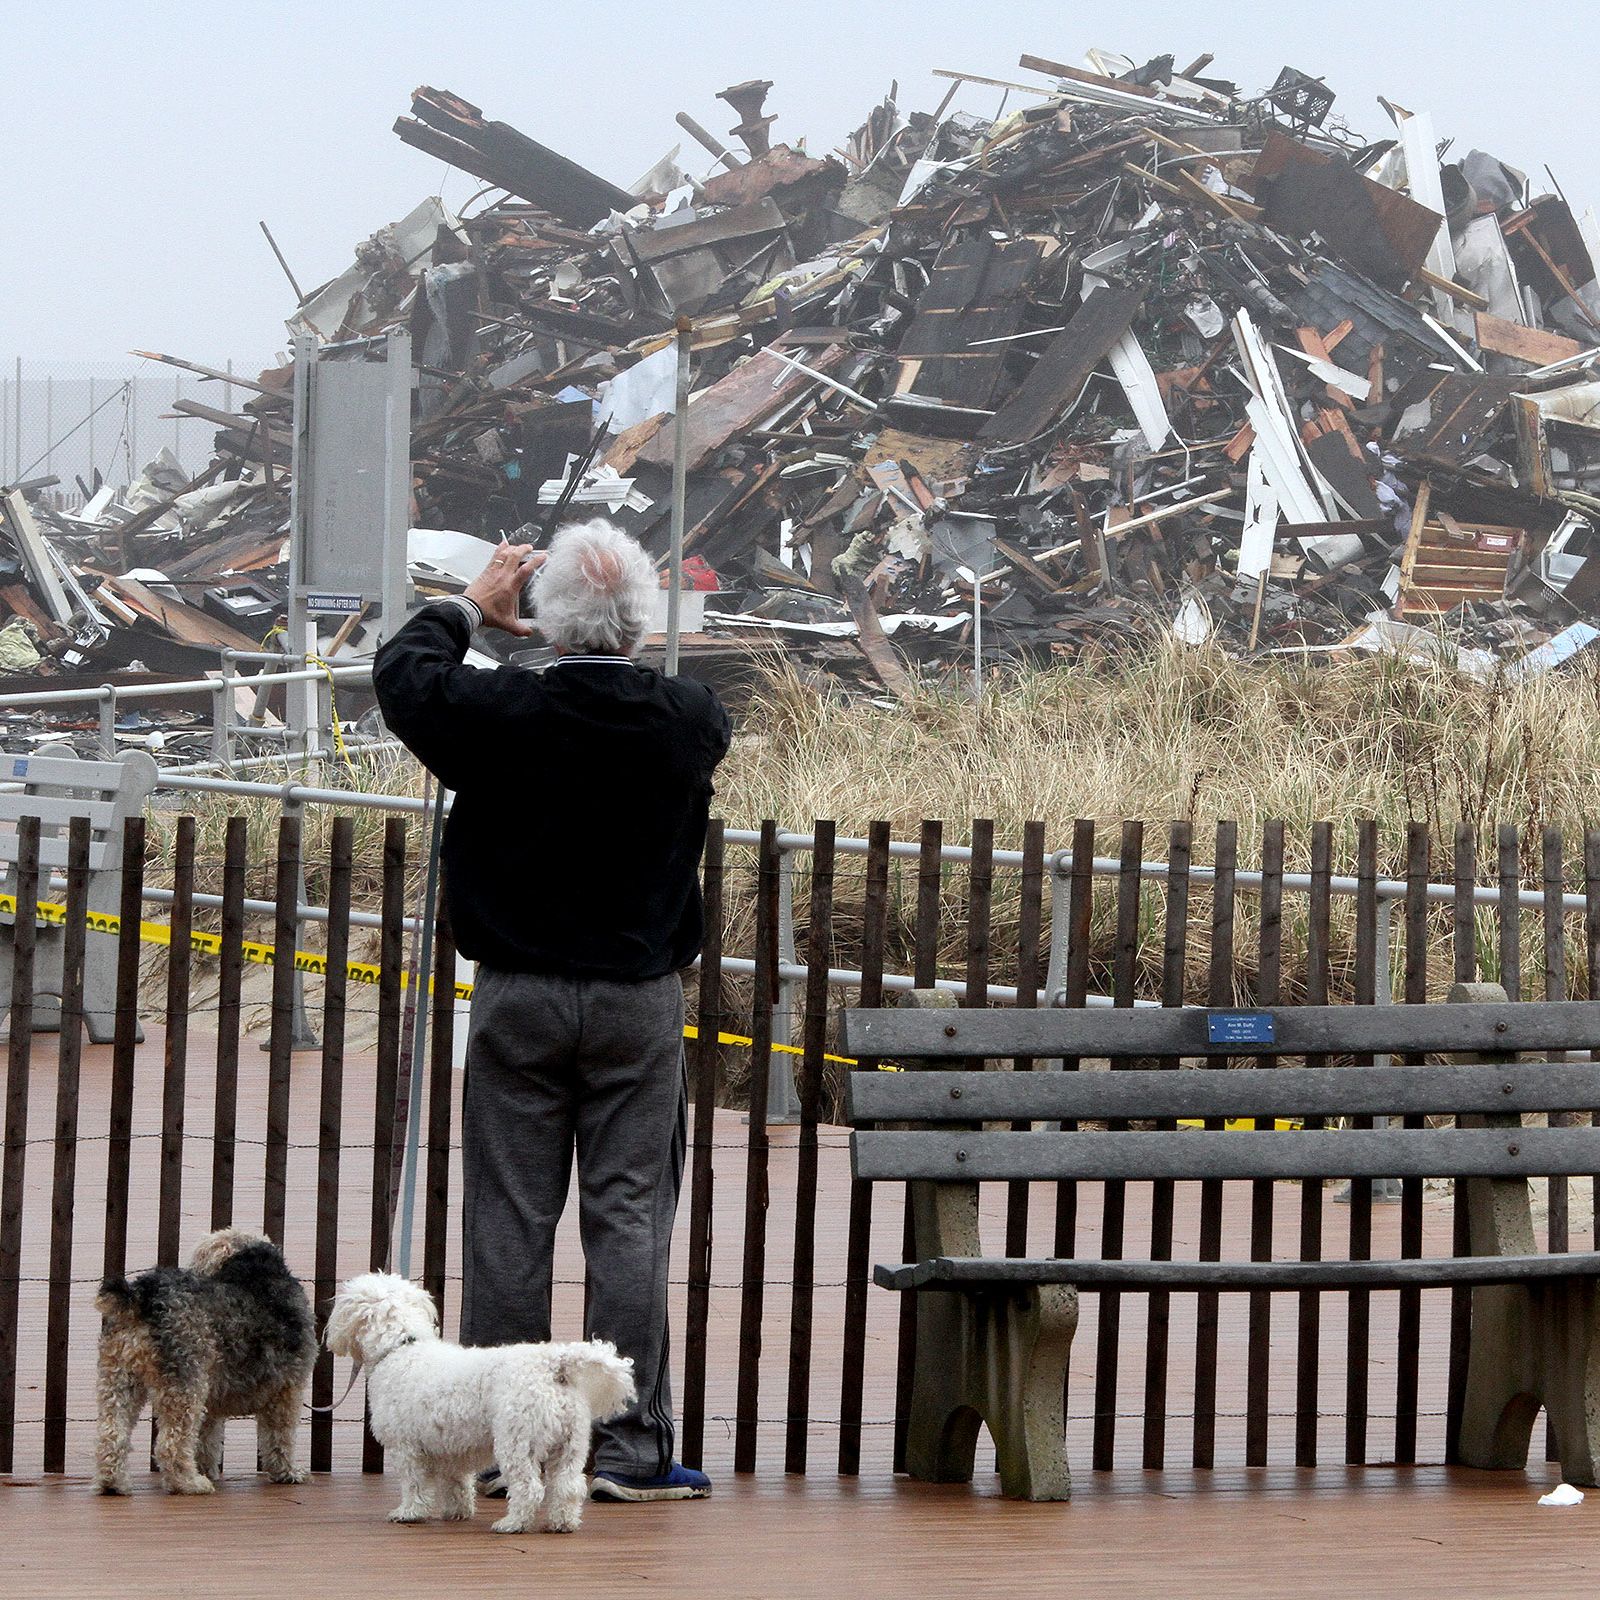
1447,561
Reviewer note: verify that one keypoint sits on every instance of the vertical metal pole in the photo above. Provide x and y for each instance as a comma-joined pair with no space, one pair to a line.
680,460
977,636
133,429
49,423
16,420
89,476
301,630
177,395
227,389
5,430
419,1042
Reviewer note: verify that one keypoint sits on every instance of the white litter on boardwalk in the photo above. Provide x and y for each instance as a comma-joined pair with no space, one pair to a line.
1562,1495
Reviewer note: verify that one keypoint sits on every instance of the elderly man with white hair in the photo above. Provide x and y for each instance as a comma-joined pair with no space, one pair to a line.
571,876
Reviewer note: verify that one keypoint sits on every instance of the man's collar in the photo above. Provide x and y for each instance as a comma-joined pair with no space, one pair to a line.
585,661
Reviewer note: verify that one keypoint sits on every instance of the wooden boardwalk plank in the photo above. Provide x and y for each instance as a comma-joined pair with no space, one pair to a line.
1339,1534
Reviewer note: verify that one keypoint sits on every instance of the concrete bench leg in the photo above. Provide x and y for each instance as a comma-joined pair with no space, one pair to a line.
99,985
46,980
1534,1345
995,1356
100,990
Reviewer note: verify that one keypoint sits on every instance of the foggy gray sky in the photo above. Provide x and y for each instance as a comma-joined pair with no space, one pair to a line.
143,141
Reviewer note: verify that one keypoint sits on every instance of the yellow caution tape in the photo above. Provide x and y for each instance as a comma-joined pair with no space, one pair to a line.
692,1032
367,972
262,955
1246,1124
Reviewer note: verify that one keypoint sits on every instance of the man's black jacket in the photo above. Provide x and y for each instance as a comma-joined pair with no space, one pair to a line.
582,794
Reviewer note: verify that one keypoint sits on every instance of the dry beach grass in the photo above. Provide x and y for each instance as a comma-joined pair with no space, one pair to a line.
1171,733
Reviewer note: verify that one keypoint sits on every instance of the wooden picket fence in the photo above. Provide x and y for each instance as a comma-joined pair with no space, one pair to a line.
862,911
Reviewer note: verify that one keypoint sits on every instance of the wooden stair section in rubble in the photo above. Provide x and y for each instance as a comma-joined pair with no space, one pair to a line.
1447,561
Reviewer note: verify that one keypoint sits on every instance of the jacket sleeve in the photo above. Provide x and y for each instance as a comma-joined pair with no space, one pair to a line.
451,717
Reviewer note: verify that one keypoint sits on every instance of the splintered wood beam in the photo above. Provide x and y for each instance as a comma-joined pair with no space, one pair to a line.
1465,297
1408,557
1534,345
209,372
1059,69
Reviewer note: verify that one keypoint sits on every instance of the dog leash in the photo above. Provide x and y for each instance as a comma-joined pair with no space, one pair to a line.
355,1372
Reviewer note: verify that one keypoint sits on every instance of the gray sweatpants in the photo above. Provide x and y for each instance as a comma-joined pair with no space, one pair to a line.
556,1065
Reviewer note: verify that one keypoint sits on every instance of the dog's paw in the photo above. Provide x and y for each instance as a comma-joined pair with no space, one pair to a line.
456,1513
510,1525
407,1514
192,1486
113,1486
563,1522
293,1475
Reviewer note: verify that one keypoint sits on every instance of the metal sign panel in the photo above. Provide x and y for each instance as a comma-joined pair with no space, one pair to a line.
322,604
351,483
347,495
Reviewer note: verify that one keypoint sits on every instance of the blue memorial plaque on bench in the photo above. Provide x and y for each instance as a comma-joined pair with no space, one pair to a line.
1240,1027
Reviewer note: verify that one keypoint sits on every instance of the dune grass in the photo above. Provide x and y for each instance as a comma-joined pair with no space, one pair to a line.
1168,734
1181,734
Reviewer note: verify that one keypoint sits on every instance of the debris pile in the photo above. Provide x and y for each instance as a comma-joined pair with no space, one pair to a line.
1141,355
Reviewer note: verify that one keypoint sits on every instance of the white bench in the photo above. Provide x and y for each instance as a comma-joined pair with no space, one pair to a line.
56,787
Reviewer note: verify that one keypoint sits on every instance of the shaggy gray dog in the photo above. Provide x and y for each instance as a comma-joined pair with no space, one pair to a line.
230,1335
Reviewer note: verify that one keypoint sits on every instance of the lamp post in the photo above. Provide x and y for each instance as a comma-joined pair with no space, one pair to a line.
680,459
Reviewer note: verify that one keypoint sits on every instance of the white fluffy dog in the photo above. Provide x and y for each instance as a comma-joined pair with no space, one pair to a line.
446,1411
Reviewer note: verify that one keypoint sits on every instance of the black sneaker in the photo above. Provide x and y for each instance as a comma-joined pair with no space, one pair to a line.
492,1484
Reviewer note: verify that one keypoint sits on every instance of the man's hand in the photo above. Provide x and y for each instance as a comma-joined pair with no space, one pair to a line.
497,590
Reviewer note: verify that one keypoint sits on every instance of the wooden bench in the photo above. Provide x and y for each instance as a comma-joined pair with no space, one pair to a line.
993,1335
56,787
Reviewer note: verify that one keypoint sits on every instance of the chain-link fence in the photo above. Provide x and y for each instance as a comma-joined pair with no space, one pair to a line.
74,419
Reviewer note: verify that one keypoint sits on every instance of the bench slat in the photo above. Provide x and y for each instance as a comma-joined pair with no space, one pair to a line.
53,853
64,772
1300,1030
51,810
1240,1275
1242,1092
1363,1153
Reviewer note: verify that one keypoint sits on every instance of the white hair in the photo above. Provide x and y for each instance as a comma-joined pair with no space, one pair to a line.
596,591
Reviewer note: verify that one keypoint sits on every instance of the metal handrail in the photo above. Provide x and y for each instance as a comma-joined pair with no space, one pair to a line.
185,686
789,843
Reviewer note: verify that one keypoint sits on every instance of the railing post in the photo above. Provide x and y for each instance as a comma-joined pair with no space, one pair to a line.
1383,959
223,715
1055,978
1383,995
302,1036
321,699
107,704
783,1103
